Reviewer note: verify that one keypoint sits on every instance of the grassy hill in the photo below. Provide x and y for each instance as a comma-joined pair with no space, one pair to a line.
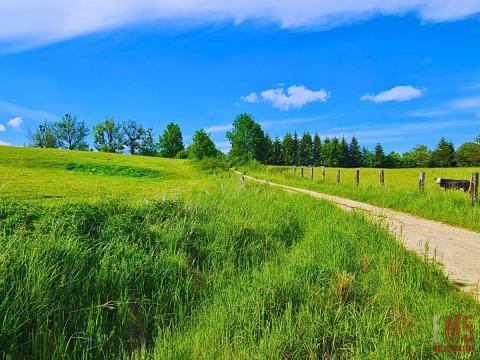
101,264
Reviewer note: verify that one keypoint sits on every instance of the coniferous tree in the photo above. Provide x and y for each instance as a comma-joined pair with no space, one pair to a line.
444,154
343,159
277,155
295,147
326,158
379,156
355,153
317,150
334,152
368,158
288,149
306,150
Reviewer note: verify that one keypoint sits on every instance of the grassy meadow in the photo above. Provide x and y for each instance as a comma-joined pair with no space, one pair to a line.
400,191
149,258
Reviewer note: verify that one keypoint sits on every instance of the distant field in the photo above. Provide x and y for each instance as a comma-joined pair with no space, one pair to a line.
95,263
400,191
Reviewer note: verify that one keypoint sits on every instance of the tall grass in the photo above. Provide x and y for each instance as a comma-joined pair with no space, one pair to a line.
400,191
230,273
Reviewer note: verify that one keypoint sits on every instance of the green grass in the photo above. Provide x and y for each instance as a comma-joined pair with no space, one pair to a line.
231,272
400,191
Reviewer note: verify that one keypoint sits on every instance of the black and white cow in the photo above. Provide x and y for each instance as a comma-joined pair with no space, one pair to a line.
447,184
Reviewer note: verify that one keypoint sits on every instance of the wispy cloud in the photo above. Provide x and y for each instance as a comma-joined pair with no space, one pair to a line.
250,98
218,128
393,132
3,143
25,112
55,20
2,128
466,103
397,93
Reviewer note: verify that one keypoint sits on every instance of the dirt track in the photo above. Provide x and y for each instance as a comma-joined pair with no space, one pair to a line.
457,249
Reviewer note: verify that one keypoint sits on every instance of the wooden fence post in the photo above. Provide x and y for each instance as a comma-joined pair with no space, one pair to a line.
382,178
311,173
474,189
302,171
338,176
357,177
294,170
323,173
421,181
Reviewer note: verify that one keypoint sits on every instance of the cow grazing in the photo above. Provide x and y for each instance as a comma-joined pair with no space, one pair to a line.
446,184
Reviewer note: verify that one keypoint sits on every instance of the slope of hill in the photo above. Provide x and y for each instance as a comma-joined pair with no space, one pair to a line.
100,264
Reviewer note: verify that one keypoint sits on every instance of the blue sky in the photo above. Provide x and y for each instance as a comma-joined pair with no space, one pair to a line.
402,74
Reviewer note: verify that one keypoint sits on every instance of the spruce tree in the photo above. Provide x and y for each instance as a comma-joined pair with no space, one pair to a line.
317,150
354,153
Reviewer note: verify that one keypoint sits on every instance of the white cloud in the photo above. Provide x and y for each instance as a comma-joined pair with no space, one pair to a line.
397,93
296,96
53,20
15,123
3,143
250,98
2,128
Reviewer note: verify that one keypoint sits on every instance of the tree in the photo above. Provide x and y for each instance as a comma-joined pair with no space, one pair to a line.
277,153
147,144
171,141
355,153
133,134
247,139
393,160
107,136
368,158
379,156
71,134
202,146
44,137
317,149
468,154
343,158
288,151
421,156
444,154
326,152
305,152
295,148
334,153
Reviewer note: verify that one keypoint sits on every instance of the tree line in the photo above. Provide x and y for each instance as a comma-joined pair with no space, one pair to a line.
128,136
250,142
